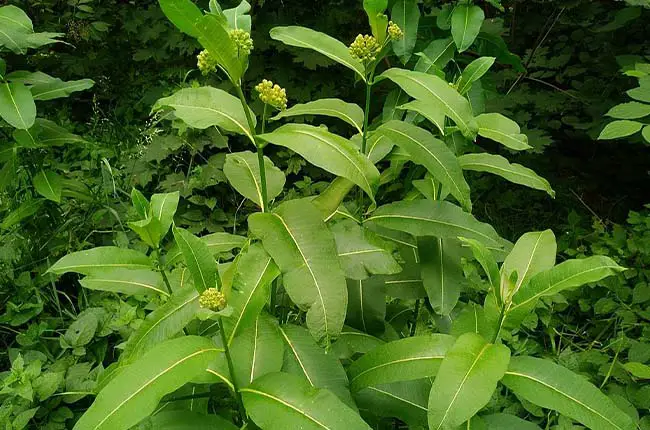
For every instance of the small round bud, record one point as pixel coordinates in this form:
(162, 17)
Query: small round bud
(272, 94)
(365, 48)
(212, 299)
(242, 40)
(394, 32)
(206, 62)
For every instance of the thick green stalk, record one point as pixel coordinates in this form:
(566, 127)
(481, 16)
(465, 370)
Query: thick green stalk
(366, 114)
(260, 151)
(231, 369)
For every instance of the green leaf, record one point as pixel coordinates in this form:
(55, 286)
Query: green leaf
(485, 259)
(431, 110)
(279, 401)
(466, 380)
(198, 258)
(630, 110)
(406, 14)
(164, 323)
(135, 392)
(440, 219)
(641, 94)
(617, 129)
(100, 259)
(216, 243)
(255, 272)
(500, 166)
(471, 319)
(18, 32)
(376, 18)
(140, 203)
(551, 386)
(328, 151)
(48, 184)
(183, 14)
(214, 37)
(17, 105)
(378, 146)
(430, 88)
(303, 357)
(187, 420)
(237, 17)
(337, 108)
(405, 400)
(466, 21)
(437, 54)
(506, 421)
(304, 249)
(25, 210)
(205, 107)
(361, 252)
(503, 130)
(431, 153)
(401, 360)
(473, 72)
(638, 370)
(257, 350)
(126, 281)
(646, 133)
(494, 46)
(332, 48)
(352, 341)
(367, 304)
(329, 201)
(45, 133)
(56, 88)
(163, 208)
(243, 172)
(441, 271)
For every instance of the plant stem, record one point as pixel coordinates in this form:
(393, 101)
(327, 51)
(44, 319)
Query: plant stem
(416, 315)
(502, 316)
(161, 269)
(366, 113)
(231, 369)
(260, 151)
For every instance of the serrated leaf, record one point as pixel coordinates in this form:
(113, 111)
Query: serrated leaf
(135, 392)
(48, 185)
(17, 105)
(304, 250)
(198, 258)
(99, 259)
(401, 360)
(406, 14)
(302, 37)
(498, 165)
(126, 281)
(337, 108)
(243, 172)
(473, 72)
(466, 21)
(503, 130)
(617, 129)
(551, 386)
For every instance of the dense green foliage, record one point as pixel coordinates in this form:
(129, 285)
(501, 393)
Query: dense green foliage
(433, 217)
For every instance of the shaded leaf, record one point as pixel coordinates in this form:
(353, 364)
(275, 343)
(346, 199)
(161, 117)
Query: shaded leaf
(48, 184)
(503, 130)
(198, 258)
(17, 105)
(243, 172)
(348, 112)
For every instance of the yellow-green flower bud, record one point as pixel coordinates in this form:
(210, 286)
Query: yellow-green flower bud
(212, 299)
(394, 32)
(242, 40)
(206, 62)
(272, 94)
(365, 48)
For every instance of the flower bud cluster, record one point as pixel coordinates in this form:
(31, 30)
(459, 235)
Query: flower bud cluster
(365, 48)
(242, 40)
(272, 94)
(212, 299)
(394, 32)
(206, 62)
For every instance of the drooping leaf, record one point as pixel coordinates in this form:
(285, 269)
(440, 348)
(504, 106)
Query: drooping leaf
(551, 386)
(473, 72)
(304, 249)
(441, 271)
(320, 369)
(302, 37)
(254, 274)
(216, 243)
(500, 166)
(183, 14)
(617, 129)
(48, 184)
(45, 133)
(100, 259)
(406, 14)
(503, 130)
(56, 88)
(328, 151)
(466, 21)
(135, 392)
(401, 360)
(440, 219)
(198, 258)
(17, 105)
(205, 107)
(126, 281)
(466, 380)
(378, 146)
(278, 401)
(406, 400)
(427, 87)
(433, 154)
(337, 108)
(431, 110)
(214, 37)
(243, 172)
(367, 304)
(352, 341)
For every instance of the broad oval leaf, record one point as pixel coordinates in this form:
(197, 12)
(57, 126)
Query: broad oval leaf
(134, 393)
(440, 219)
(406, 400)
(401, 360)
(352, 341)
(321, 369)
(438, 54)
(337, 108)
(243, 172)
(302, 37)
(431, 110)
(48, 184)
(198, 258)
(100, 259)
(367, 304)
(17, 105)
(56, 88)
(406, 14)
(126, 281)
(503, 130)
(630, 110)
(205, 107)
(466, 21)
(466, 380)
(499, 165)
(216, 243)
(441, 271)
(622, 128)
(425, 87)
(279, 401)
(304, 249)
(433, 154)
(238, 17)
(328, 151)
(473, 72)
(163, 208)
(183, 14)
(214, 37)
(551, 386)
